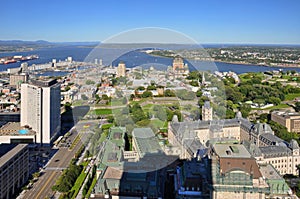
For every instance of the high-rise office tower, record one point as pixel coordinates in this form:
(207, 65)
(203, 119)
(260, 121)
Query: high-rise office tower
(40, 109)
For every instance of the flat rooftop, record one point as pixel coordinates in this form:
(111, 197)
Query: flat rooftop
(7, 151)
(231, 151)
(286, 114)
(43, 82)
(15, 129)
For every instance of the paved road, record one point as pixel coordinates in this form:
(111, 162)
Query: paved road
(42, 188)
(61, 160)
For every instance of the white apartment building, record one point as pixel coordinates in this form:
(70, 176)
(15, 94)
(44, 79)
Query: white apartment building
(40, 109)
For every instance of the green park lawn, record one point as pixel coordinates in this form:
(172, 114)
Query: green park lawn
(103, 111)
(280, 106)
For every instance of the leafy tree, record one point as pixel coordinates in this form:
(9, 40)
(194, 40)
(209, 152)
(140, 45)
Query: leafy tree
(105, 97)
(264, 117)
(169, 93)
(274, 100)
(151, 87)
(89, 82)
(234, 96)
(297, 106)
(230, 114)
(110, 119)
(185, 95)
(199, 93)
(137, 113)
(202, 100)
(194, 75)
(194, 83)
(131, 97)
(282, 132)
(245, 110)
(141, 88)
(147, 94)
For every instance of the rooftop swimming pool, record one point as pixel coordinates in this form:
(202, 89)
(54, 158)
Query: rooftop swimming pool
(23, 131)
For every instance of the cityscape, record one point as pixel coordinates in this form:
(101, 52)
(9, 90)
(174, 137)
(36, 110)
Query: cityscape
(125, 100)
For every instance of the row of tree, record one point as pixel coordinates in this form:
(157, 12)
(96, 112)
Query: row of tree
(68, 179)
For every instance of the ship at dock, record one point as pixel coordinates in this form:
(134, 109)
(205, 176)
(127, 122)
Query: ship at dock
(17, 58)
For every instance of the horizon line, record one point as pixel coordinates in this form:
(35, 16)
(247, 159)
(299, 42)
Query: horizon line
(204, 43)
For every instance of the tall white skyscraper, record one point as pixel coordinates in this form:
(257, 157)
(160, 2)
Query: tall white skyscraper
(40, 108)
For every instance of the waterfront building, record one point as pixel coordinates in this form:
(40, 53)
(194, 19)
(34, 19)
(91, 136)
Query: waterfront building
(14, 168)
(70, 59)
(40, 108)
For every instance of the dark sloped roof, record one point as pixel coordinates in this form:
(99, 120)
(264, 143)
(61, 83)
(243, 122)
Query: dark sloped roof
(275, 151)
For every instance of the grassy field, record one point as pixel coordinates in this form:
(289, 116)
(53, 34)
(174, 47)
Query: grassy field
(102, 111)
(291, 96)
(77, 139)
(77, 103)
(106, 126)
(92, 187)
(158, 123)
(280, 106)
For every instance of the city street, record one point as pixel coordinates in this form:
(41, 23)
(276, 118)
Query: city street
(60, 161)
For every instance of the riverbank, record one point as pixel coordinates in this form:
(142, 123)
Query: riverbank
(233, 62)
(265, 65)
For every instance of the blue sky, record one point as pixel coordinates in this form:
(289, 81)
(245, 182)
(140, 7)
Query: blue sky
(232, 21)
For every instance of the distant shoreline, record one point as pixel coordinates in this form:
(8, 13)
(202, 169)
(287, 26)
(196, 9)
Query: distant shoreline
(233, 62)
(250, 64)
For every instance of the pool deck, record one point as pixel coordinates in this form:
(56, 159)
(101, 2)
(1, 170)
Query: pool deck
(14, 128)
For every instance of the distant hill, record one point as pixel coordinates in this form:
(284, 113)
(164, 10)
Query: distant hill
(20, 42)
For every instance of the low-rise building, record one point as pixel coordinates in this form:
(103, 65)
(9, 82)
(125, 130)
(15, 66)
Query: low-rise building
(235, 173)
(277, 185)
(127, 174)
(283, 157)
(290, 120)
(13, 132)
